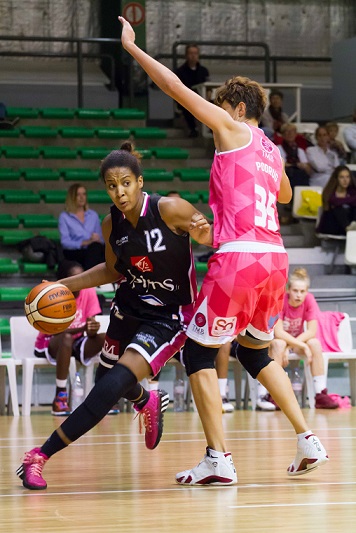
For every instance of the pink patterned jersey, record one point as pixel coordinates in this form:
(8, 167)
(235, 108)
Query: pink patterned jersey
(244, 185)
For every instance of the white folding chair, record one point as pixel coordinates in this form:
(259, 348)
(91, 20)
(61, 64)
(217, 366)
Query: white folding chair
(23, 337)
(350, 248)
(89, 370)
(10, 365)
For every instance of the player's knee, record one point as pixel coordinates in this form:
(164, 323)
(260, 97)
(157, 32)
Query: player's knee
(253, 360)
(197, 357)
(109, 389)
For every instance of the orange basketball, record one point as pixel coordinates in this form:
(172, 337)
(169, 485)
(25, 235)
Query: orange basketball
(50, 307)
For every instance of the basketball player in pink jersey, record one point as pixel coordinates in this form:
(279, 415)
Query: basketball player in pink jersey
(242, 293)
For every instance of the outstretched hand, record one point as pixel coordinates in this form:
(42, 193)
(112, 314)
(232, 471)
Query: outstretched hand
(128, 34)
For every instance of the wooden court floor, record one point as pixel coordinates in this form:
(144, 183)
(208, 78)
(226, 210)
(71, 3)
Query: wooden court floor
(109, 482)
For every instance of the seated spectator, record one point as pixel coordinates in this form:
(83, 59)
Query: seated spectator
(81, 340)
(5, 123)
(296, 162)
(191, 73)
(350, 138)
(321, 158)
(290, 334)
(333, 129)
(273, 117)
(339, 203)
(80, 229)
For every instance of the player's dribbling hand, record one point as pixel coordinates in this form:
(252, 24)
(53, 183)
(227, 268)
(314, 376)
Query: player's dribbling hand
(200, 229)
(128, 34)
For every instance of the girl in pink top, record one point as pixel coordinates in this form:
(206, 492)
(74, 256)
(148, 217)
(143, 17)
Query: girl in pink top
(81, 340)
(296, 330)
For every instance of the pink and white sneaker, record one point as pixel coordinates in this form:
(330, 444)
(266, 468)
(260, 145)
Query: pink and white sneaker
(31, 470)
(217, 468)
(151, 417)
(310, 454)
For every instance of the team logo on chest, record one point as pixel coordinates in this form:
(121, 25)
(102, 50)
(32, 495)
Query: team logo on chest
(142, 263)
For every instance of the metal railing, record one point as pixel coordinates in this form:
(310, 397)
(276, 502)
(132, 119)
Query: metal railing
(270, 62)
(79, 55)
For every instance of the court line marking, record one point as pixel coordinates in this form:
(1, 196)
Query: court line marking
(249, 486)
(269, 505)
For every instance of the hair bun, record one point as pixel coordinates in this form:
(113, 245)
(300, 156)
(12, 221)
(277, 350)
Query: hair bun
(127, 146)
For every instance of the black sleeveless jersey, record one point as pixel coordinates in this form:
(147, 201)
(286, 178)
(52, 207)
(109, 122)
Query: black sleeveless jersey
(157, 264)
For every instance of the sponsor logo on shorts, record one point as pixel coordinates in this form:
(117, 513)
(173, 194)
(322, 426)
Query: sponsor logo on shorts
(142, 263)
(146, 339)
(200, 320)
(223, 326)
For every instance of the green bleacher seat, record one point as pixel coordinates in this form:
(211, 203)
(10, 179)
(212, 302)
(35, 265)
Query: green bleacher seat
(149, 133)
(145, 153)
(58, 152)
(201, 268)
(20, 197)
(38, 221)
(92, 113)
(9, 174)
(94, 152)
(42, 132)
(204, 196)
(4, 326)
(192, 197)
(112, 133)
(12, 237)
(21, 152)
(13, 294)
(157, 174)
(192, 174)
(167, 152)
(34, 268)
(57, 112)
(10, 133)
(7, 266)
(53, 197)
(98, 197)
(52, 234)
(39, 174)
(7, 221)
(126, 113)
(21, 112)
(79, 174)
(70, 132)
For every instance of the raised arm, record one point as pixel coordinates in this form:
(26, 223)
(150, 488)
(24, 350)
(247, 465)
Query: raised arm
(211, 115)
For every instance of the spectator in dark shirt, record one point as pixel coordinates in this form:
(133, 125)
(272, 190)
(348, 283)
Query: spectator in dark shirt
(339, 203)
(191, 73)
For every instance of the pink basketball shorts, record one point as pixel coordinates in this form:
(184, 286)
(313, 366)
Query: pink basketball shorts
(242, 290)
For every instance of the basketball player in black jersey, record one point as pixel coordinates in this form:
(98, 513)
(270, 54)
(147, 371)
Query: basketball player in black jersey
(148, 252)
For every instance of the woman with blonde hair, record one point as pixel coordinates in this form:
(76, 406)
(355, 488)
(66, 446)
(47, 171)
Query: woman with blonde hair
(80, 230)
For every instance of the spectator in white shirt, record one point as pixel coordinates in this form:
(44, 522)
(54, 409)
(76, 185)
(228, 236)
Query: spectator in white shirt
(321, 158)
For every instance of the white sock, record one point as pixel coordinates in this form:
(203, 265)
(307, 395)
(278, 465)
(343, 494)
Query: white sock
(302, 436)
(222, 386)
(61, 383)
(261, 390)
(319, 383)
(153, 385)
